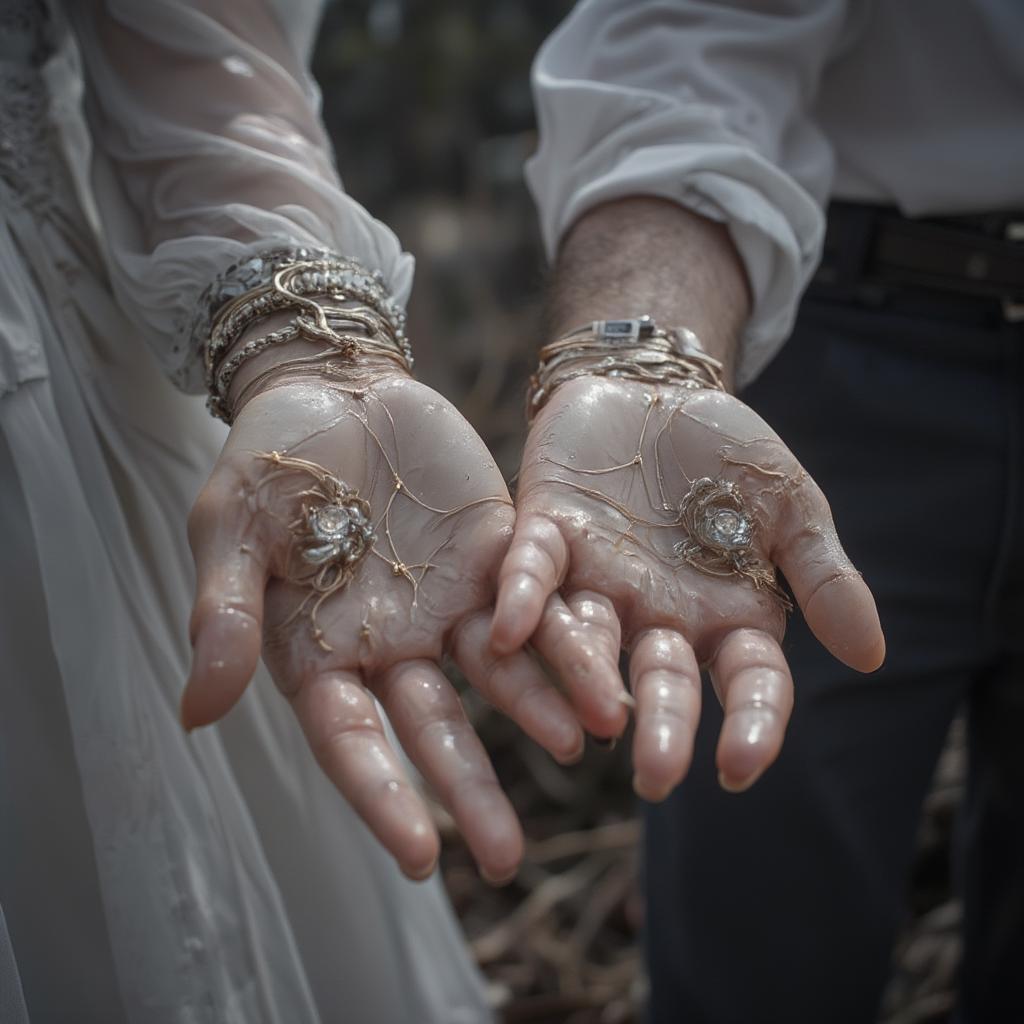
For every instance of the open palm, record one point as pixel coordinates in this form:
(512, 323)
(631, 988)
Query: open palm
(438, 522)
(598, 562)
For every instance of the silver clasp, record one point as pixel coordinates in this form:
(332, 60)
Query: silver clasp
(624, 330)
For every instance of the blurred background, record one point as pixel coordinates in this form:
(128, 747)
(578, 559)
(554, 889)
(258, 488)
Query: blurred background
(430, 110)
(429, 107)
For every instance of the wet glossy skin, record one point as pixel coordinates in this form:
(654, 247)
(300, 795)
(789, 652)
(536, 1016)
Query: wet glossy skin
(428, 588)
(593, 566)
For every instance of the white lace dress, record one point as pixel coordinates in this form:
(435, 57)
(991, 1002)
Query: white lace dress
(145, 875)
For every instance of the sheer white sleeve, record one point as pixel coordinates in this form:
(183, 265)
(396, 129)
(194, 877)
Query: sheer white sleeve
(703, 103)
(207, 149)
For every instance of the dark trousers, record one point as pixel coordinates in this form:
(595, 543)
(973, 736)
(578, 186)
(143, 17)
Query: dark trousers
(779, 905)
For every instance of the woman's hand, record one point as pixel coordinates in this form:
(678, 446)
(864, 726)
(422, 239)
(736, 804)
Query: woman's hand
(441, 520)
(599, 560)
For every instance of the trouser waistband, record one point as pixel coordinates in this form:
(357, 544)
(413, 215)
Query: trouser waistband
(970, 266)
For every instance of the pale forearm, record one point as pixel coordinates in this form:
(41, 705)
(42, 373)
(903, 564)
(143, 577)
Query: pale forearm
(644, 255)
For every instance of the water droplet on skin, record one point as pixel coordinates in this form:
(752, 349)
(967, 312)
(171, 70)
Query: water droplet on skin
(664, 739)
(238, 66)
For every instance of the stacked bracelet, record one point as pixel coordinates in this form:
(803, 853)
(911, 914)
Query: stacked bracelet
(258, 271)
(632, 349)
(332, 300)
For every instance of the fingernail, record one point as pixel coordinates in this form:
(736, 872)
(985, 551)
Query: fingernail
(183, 717)
(496, 880)
(499, 644)
(605, 742)
(421, 874)
(737, 787)
(650, 796)
(626, 699)
(575, 755)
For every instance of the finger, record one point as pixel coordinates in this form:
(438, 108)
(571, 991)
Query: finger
(432, 726)
(339, 718)
(581, 639)
(665, 679)
(756, 690)
(835, 600)
(227, 616)
(516, 685)
(533, 569)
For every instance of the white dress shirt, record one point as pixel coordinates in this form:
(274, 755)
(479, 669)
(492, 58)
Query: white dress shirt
(755, 112)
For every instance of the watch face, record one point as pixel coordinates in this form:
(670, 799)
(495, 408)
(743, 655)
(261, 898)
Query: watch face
(623, 330)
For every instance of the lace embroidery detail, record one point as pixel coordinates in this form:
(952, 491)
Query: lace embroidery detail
(26, 159)
(26, 155)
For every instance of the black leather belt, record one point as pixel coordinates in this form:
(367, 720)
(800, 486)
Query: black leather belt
(872, 253)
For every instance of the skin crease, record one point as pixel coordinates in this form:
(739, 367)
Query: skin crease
(584, 575)
(384, 646)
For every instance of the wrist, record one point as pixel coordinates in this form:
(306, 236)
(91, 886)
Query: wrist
(645, 255)
(302, 362)
(636, 349)
(328, 312)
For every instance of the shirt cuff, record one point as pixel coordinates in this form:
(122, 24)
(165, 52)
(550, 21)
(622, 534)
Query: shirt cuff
(649, 145)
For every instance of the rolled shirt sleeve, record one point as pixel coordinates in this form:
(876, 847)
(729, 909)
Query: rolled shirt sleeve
(704, 103)
(208, 148)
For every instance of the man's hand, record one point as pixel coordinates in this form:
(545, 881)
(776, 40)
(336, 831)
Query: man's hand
(597, 559)
(441, 521)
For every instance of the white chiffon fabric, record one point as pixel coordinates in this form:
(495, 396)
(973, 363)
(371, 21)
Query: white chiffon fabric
(148, 876)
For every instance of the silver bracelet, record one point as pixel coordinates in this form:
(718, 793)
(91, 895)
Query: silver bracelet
(319, 290)
(635, 349)
(257, 271)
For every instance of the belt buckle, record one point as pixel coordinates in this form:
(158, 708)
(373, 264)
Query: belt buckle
(1013, 311)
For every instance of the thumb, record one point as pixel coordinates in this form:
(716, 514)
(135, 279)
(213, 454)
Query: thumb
(227, 617)
(835, 600)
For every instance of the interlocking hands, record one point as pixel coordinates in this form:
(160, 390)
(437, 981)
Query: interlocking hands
(649, 518)
(341, 631)
(356, 530)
